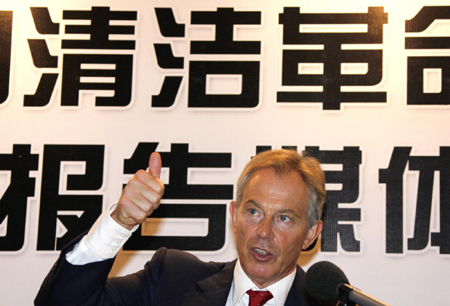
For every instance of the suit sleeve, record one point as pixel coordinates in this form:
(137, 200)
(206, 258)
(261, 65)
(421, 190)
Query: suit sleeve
(68, 284)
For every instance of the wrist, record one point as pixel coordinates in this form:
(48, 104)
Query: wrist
(115, 217)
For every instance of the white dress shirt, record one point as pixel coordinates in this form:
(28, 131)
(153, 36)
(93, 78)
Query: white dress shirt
(242, 283)
(106, 238)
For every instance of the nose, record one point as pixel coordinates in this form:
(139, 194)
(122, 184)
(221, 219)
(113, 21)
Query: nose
(265, 228)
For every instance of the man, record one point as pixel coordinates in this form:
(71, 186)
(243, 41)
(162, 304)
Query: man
(276, 214)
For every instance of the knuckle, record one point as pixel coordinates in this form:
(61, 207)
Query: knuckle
(132, 185)
(124, 201)
(161, 188)
(155, 198)
(141, 216)
(139, 175)
(141, 172)
(127, 191)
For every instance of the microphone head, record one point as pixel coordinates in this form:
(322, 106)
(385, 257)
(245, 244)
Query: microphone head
(322, 280)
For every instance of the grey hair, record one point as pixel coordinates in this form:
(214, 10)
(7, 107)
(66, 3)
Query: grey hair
(282, 162)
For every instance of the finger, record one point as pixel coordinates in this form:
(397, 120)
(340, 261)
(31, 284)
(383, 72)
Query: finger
(143, 180)
(148, 199)
(134, 206)
(127, 214)
(131, 214)
(147, 186)
(155, 164)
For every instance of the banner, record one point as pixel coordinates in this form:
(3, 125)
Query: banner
(89, 89)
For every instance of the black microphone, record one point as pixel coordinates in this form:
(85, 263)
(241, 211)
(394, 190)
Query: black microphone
(325, 281)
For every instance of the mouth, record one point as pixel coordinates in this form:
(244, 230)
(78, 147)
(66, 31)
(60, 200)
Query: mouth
(261, 255)
(261, 252)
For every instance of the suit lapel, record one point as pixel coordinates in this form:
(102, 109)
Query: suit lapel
(296, 294)
(212, 291)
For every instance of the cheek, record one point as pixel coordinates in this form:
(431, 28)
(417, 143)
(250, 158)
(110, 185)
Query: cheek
(249, 223)
(241, 241)
(239, 229)
(291, 243)
(245, 234)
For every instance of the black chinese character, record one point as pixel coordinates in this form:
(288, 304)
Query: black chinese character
(13, 203)
(224, 20)
(423, 89)
(332, 57)
(246, 73)
(350, 159)
(393, 177)
(78, 69)
(59, 200)
(179, 160)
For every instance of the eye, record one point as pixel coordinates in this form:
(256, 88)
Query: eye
(252, 211)
(284, 218)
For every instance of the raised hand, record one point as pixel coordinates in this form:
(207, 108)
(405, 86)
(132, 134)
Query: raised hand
(141, 196)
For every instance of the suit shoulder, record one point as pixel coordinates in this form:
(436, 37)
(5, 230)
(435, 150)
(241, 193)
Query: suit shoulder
(175, 263)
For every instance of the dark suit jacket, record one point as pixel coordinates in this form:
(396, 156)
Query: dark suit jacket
(171, 278)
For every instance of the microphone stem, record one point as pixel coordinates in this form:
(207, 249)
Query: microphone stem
(350, 293)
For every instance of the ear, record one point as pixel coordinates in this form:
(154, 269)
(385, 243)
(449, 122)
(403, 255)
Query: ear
(312, 234)
(233, 213)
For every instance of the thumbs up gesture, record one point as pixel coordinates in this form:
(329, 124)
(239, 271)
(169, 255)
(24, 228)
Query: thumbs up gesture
(141, 196)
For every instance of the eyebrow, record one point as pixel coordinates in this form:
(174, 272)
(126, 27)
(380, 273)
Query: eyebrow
(253, 202)
(287, 211)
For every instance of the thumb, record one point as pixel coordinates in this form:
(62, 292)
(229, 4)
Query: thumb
(155, 164)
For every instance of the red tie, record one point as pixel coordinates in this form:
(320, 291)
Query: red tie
(258, 298)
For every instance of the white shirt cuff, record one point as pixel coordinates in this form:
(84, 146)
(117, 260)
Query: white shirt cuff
(104, 240)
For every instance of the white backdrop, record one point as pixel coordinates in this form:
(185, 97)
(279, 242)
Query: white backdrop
(409, 277)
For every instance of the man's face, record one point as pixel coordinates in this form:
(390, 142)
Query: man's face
(271, 225)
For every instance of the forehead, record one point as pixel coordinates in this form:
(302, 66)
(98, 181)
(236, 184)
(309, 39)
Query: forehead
(266, 185)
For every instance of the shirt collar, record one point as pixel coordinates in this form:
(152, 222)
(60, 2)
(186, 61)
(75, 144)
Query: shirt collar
(242, 283)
